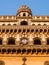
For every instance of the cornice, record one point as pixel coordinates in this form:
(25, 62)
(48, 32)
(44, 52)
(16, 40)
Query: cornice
(33, 18)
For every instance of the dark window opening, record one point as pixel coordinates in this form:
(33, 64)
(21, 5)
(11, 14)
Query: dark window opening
(3, 30)
(0, 41)
(48, 41)
(24, 14)
(15, 30)
(33, 51)
(11, 30)
(36, 30)
(11, 41)
(44, 24)
(24, 30)
(45, 30)
(38, 50)
(19, 30)
(24, 23)
(41, 30)
(39, 24)
(37, 41)
(7, 30)
(18, 51)
(28, 15)
(47, 50)
(14, 24)
(8, 51)
(19, 15)
(23, 51)
(9, 24)
(3, 24)
(28, 51)
(32, 30)
(44, 50)
(33, 24)
(3, 51)
(0, 50)
(13, 50)
(28, 30)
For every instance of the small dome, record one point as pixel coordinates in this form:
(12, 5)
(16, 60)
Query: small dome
(24, 8)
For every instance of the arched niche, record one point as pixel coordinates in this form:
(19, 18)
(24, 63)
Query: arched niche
(11, 41)
(47, 40)
(37, 41)
(23, 23)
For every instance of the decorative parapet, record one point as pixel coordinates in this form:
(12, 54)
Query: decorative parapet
(33, 18)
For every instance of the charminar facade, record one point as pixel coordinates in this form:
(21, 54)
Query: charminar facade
(24, 38)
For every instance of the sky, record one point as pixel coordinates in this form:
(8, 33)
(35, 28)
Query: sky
(38, 7)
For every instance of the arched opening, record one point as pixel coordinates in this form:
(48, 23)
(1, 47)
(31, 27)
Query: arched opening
(45, 30)
(7, 30)
(14, 24)
(24, 14)
(32, 30)
(11, 30)
(37, 41)
(39, 24)
(28, 51)
(15, 30)
(23, 51)
(9, 24)
(3, 30)
(8, 51)
(39, 50)
(44, 24)
(41, 30)
(1, 40)
(28, 30)
(11, 41)
(13, 51)
(46, 63)
(47, 41)
(47, 51)
(24, 30)
(3, 51)
(2, 62)
(24, 23)
(18, 51)
(36, 30)
(3, 24)
(44, 51)
(33, 24)
(33, 51)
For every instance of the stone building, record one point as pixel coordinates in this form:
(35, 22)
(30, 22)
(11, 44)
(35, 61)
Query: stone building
(24, 38)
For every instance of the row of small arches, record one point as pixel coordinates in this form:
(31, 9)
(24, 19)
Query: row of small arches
(23, 30)
(24, 24)
(12, 41)
(25, 51)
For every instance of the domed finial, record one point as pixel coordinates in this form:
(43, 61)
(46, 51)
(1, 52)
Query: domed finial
(24, 8)
(23, 5)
